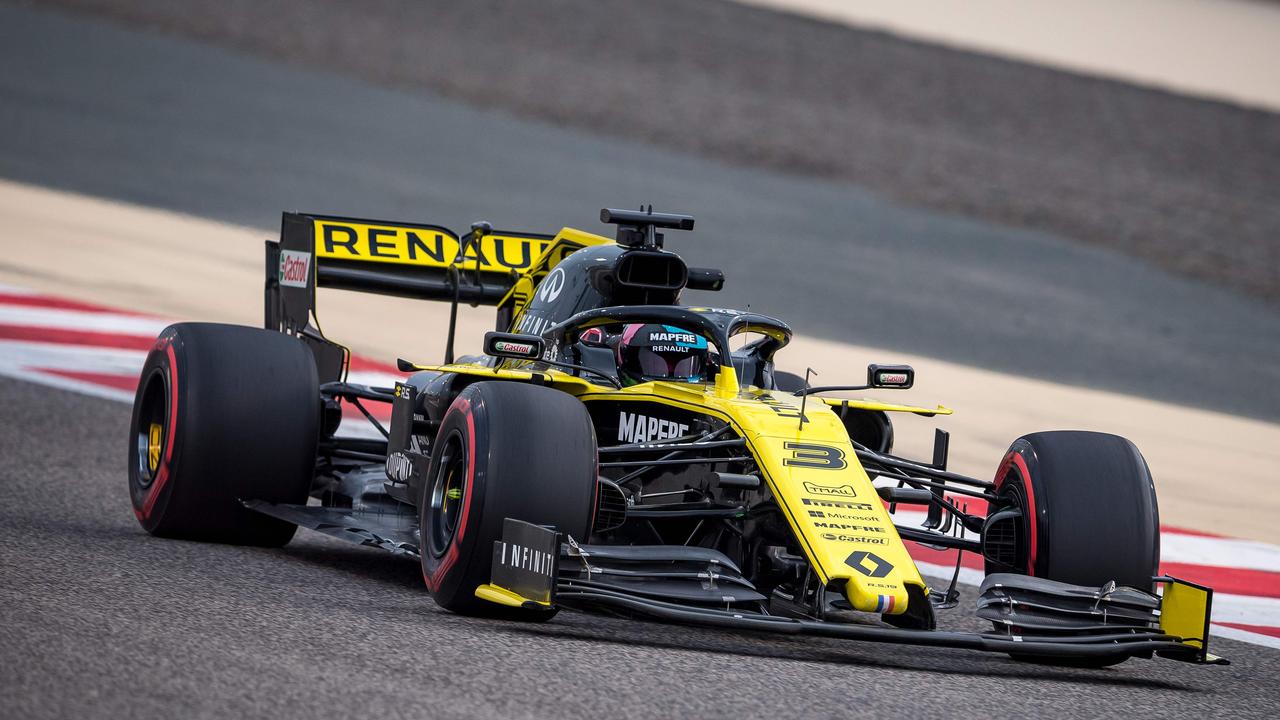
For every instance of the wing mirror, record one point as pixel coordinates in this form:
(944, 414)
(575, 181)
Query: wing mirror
(890, 376)
(514, 345)
(705, 279)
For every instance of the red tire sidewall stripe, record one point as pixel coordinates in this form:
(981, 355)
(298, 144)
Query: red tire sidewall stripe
(595, 495)
(162, 475)
(1014, 458)
(433, 580)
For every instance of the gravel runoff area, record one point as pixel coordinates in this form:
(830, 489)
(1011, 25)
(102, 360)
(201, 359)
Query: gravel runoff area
(102, 620)
(1191, 185)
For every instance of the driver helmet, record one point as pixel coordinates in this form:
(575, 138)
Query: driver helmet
(661, 352)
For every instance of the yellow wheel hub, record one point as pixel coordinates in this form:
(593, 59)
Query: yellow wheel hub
(153, 446)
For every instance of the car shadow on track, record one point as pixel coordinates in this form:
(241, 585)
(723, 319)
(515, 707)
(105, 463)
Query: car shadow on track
(403, 574)
(764, 645)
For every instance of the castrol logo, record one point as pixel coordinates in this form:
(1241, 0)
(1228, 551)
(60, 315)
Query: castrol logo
(294, 268)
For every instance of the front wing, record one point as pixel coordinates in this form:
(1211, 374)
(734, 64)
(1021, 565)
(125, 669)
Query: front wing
(1056, 621)
(533, 568)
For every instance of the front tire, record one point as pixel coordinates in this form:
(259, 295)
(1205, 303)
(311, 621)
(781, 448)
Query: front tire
(222, 413)
(504, 450)
(1088, 505)
(1077, 507)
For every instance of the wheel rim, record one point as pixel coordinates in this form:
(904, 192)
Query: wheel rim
(1013, 496)
(448, 490)
(150, 434)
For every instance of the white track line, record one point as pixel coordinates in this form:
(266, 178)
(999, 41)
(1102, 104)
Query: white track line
(79, 358)
(1219, 552)
(80, 320)
(1252, 638)
(62, 383)
(374, 379)
(1182, 548)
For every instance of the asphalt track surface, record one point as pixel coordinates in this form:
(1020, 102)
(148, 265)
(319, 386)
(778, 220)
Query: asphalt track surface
(96, 108)
(102, 620)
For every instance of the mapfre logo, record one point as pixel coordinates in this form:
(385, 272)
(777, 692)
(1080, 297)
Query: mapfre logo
(636, 428)
(295, 268)
(848, 526)
(689, 338)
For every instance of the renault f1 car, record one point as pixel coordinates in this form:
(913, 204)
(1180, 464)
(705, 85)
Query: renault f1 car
(615, 450)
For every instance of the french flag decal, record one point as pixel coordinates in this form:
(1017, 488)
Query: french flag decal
(884, 604)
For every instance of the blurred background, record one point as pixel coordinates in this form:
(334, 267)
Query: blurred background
(1063, 214)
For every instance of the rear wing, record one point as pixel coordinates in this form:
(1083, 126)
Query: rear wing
(412, 260)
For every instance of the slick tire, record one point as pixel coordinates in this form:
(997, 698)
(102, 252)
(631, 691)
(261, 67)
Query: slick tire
(504, 450)
(223, 413)
(1088, 514)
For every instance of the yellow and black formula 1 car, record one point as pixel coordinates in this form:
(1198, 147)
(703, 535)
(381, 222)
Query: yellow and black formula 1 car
(613, 449)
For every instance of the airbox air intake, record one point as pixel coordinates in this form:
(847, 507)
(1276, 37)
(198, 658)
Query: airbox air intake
(651, 270)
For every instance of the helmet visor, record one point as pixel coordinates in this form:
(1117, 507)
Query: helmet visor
(687, 367)
(655, 365)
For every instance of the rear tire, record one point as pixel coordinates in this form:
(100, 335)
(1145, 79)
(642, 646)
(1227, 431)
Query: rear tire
(222, 413)
(504, 450)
